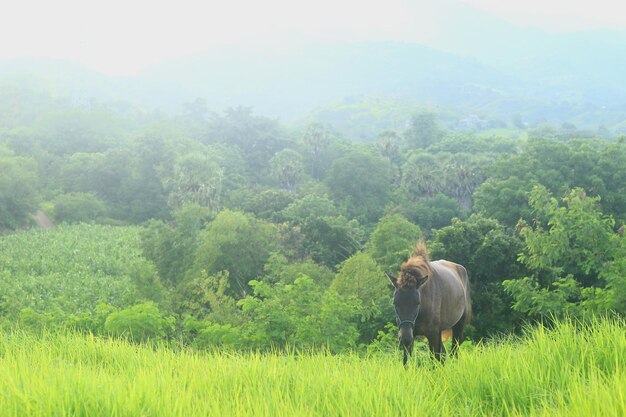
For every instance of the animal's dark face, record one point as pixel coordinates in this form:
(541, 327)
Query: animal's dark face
(406, 302)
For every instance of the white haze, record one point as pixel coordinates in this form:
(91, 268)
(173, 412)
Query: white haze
(124, 37)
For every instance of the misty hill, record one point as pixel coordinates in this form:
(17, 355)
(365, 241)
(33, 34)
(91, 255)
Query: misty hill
(289, 82)
(504, 72)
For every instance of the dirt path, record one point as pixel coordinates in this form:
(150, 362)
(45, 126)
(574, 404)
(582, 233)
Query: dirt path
(42, 220)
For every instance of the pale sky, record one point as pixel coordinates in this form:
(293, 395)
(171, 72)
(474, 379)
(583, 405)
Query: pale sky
(122, 37)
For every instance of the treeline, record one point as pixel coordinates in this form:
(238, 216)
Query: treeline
(264, 235)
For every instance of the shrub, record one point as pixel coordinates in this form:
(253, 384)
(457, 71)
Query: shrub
(140, 322)
(78, 207)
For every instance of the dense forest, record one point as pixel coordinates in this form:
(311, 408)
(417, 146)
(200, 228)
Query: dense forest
(233, 229)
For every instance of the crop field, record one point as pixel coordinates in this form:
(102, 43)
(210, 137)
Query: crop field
(60, 277)
(572, 370)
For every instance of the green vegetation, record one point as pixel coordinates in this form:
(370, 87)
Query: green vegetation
(72, 276)
(231, 229)
(234, 224)
(196, 256)
(203, 259)
(571, 370)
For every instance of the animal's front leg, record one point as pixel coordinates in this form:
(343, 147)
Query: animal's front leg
(436, 346)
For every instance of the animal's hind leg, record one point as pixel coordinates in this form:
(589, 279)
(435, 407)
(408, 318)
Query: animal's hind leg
(457, 335)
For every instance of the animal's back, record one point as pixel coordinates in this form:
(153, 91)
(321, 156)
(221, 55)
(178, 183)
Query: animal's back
(453, 287)
(464, 278)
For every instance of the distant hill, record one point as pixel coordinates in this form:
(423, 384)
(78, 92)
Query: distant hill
(290, 82)
(499, 73)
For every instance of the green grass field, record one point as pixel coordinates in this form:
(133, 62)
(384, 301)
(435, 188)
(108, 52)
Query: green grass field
(573, 370)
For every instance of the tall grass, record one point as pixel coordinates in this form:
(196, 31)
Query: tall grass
(572, 370)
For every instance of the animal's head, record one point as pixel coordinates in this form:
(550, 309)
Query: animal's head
(406, 296)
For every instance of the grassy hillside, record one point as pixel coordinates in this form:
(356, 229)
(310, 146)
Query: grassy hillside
(571, 371)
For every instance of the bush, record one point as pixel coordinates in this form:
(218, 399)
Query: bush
(207, 334)
(78, 207)
(140, 322)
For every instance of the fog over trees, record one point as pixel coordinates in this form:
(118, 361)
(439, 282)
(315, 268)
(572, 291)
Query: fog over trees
(254, 195)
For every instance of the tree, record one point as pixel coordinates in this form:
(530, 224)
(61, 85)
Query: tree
(207, 298)
(269, 204)
(505, 200)
(488, 251)
(197, 110)
(392, 241)
(389, 148)
(329, 238)
(453, 174)
(279, 269)
(18, 195)
(143, 193)
(172, 247)
(81, 172)
(317, 141)
(195, 180)
(434, 212)
(362, 182)
(332, 239)
(140, 322)
(421, 176)
(424, 130)
(286, 166)
(78, 207)
(301, 314)
(462, 173)
(258, 138)
(574, 256)
(361, 276)
(238, 243)
(67, 131)
(596, 166)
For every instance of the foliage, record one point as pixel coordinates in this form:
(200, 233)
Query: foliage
(434, 212)
(279, 269)
(172, 247)
(18, 196)
(361, 181)
(78, 207)
(424, 130)
(487, 250)
(201, 185)
(140, 322)
(484, 246)
(269, 204)
(64, 276)
(287, 168)
(234, 242)
(207, 297)
(593, 165)
(207, 334)
(257, 137)
(317, 142)
(392, 241)
(456, 175)
(505, 200)
(195, 180)
(329, 238)
(361, 277)
(574, 256)
(299, 315)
